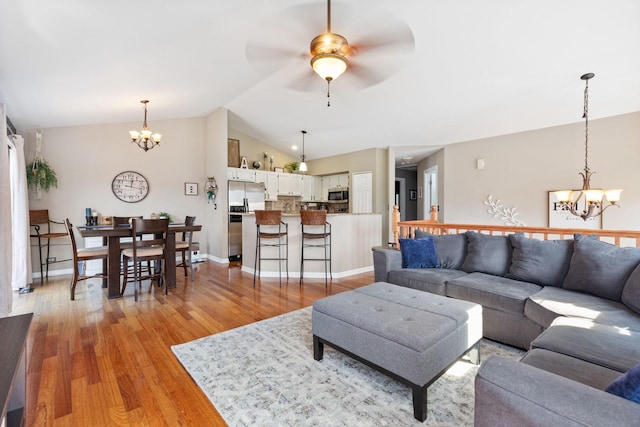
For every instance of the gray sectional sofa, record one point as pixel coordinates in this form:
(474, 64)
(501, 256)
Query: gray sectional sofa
(574, 304)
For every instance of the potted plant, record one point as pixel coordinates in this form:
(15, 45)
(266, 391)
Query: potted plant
(40, 176)
(292, 166)
(165, 215)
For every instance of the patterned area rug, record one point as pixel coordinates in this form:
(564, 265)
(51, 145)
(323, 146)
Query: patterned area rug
(264, 374)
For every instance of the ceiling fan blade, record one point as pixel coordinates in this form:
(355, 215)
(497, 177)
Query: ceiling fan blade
(392, 38)
(305, 81)
(267, 60)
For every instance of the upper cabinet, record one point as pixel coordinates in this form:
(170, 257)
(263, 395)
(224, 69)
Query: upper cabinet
(289, 184)
(270, 181)
(310, 188)
(238, 174)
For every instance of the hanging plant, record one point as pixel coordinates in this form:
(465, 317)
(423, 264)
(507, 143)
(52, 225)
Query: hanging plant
(40, 176)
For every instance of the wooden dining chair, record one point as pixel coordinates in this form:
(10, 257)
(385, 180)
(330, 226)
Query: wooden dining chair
(186, 246)
(149, 238)
(80, 257)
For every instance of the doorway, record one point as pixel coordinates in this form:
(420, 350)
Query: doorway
(430, 190)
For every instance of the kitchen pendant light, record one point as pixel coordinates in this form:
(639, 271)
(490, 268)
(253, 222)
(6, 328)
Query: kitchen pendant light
(303, 165)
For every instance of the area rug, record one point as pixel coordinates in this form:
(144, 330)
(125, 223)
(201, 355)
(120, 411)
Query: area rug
(264, 374)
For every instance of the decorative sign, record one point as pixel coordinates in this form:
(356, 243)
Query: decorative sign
(560, 217)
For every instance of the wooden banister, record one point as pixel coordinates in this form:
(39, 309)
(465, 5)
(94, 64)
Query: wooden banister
(406, 229)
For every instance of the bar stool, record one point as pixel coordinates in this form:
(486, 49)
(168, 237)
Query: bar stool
(271, 232)
(316, 233)
(41, 223)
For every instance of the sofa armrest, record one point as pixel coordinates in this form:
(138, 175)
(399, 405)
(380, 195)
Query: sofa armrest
(510, 393)
(385, 260)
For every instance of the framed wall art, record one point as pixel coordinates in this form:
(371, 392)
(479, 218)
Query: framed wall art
(190, 188)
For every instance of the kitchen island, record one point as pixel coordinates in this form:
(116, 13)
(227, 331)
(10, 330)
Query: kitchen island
(353, 236)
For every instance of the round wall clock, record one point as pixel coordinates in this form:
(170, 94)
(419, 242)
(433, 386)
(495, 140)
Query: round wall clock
(130, 187)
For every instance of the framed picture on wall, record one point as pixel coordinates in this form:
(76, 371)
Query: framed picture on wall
(560, 217)
(191, 188)
(413, 195)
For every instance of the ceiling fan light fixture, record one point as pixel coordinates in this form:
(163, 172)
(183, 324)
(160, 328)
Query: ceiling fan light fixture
(329, 66)
(328, 53)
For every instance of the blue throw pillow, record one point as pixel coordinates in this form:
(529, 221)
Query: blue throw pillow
(419, 253)
(627, 386)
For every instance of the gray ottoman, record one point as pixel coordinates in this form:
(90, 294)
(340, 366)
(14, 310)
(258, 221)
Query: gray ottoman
(409, 335)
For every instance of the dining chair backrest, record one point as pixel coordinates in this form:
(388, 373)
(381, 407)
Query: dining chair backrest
(188, 221)
(72, 237)
(156, 229)
(39, 217)
(122, 220)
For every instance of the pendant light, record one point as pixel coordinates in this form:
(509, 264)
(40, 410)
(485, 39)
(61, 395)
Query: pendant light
(303, 165)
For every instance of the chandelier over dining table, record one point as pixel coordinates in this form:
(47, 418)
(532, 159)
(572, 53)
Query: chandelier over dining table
(145, 139)
(595, 200)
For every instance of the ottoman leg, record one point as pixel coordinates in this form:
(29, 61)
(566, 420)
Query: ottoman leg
(318, 348)
(419, 402)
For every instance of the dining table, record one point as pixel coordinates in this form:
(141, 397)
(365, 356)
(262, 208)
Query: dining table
(113, 233)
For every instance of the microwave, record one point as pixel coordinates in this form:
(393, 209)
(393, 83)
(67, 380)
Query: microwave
(338, 194)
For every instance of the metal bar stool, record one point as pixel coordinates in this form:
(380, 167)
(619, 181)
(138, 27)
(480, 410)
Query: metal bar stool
(316, 233)
(271, 232)
(41, 223)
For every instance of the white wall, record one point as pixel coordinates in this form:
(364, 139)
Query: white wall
(521, 168)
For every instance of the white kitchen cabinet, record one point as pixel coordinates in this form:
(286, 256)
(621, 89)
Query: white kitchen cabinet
(289, 184)
(310, 188)
(271, 186)
(238, 174)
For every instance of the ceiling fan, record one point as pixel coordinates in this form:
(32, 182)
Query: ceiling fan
(381, 45)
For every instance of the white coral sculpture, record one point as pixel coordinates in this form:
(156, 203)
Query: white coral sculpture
(498, 211)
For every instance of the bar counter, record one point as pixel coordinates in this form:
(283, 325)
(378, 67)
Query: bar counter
(352, 237)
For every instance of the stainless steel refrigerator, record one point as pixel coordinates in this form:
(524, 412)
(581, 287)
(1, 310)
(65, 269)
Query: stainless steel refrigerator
(243, 197)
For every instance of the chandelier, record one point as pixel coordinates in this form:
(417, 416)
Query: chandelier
(145, 138)
(329, 54)
(596, 200)
(303, 165)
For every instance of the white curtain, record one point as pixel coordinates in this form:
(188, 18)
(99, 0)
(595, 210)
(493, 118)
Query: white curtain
(6, 293)
(21, 262)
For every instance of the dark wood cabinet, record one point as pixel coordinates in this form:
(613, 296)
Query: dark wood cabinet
(13, 368)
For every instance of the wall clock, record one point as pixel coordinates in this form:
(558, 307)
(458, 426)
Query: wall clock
(130, 186)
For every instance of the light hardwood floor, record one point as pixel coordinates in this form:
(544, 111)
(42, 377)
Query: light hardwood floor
(100, 362)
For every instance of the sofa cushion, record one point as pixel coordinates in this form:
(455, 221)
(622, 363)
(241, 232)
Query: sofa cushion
(425, 279)
(631, 291)
(495, 292)
(544, 262)
(487, 254)
(419, 253)
(451, 248)
(600, 268)
(627, 385)
(550, 303)
(602, 345)
(570, 367)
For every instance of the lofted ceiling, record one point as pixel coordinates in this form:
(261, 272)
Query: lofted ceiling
(427, 73)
